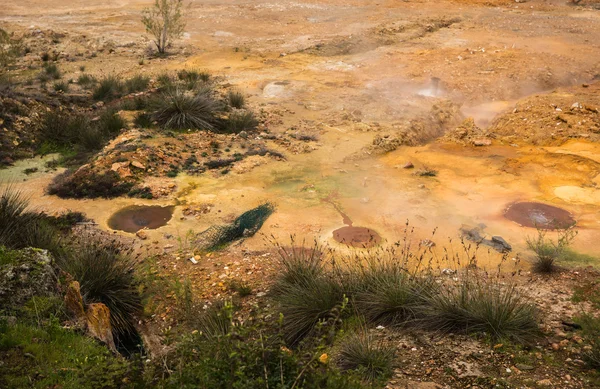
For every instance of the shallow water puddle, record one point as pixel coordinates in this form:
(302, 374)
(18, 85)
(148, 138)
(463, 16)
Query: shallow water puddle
(538, 215)
(137, 217)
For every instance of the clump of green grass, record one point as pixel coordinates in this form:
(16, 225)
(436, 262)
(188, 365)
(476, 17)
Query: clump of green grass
(548, 251)
(385, 293)
(137, 83)
(216, 321)
(373, 362)
(239, 121)
(62, 129)
(108, 88)
(243, 289)
(192, 79)
(106, 274)
(591, 331)
(86, 80)
(479, 306)
(180, 111)
(61, 86)
(236, 99)
(52, 71)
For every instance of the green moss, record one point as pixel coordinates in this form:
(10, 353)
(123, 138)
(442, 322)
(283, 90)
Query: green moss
(50, 356)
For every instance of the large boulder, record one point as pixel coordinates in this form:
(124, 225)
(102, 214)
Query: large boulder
(23, 274)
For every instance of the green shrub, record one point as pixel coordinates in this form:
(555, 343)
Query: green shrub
(86, 81)
(51, 71)
(387, 294)
(105, 274)
(137, 83)
(482, 306)
(61, 86)
(192, 78)
(547, 251)
(306, 304)
(179, 111)
(591, 332)
(14, 216)
(83, 184)
(111, 123)
(110, 87)
(91, 138)
(62, 129)
(143, 120)
(236, 99)
(297, 265)
(239, 121)
(360, 353)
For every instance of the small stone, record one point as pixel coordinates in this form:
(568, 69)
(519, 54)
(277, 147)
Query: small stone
(555, 346)
(408, 165)
(138, 165)
(481, 142)
(545, 382)
(141, 234)
(193, 260)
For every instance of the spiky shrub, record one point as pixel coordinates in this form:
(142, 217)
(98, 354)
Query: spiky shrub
(85, 184)
(306, 304)
(22, 227)
(482, 306)
(178, 110)
(110, 87)
(359, 352)
(106, 275)
(297, 265)
(239, 121)
(62, 129)
(192, 78)
(385, 293)
(236, 99)
(547, 251)
(137, 83)
(216, 321)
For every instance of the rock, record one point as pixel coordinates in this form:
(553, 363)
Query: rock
(481, 142)
(138, 165)
(545, 382)
(408, 165)
(141, 234)
(98, 324)
(501, 244)
(74, 301)
(23, 274)
(466, 369)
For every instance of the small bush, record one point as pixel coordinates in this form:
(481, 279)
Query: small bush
(482, 307)
(426, 172)
(297, 266)
(306, 304)
(86, 81)
(51, 70)
(91, 138)
(137, 83)
(387, 294)
(239, 121)
(547, 252)
(110, 87)
(236, 99)
(373, 362)
(105, 274)
(192, 78)
(179, 111)
(111, 123)
(84, 184)
(143, 120)
(62, 129)
(61, 86)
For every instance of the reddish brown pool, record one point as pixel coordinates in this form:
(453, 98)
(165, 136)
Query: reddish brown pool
(538, 215)
(136, 217)
(357, 236)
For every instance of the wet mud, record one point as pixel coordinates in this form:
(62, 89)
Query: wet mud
(137, 217)
(538, 215)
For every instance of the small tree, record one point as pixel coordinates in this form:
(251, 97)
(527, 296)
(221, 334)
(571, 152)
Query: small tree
(164, 22)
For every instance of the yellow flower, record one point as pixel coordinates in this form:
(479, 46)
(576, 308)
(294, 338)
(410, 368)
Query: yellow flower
(324, 358)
